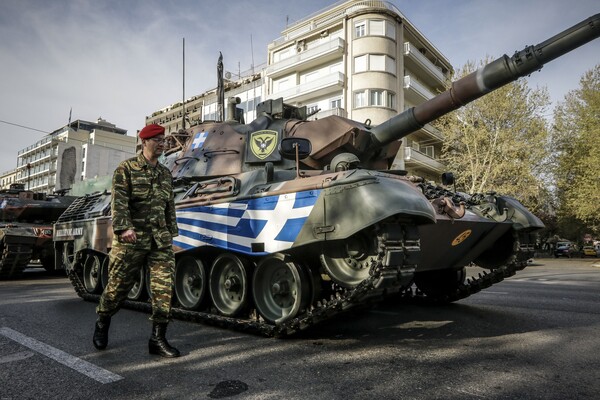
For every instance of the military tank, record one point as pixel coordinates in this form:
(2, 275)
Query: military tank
(285, 222)
(26, 220)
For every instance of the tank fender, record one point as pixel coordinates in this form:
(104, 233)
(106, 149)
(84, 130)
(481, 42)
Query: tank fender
(344, 209)
(521, 217)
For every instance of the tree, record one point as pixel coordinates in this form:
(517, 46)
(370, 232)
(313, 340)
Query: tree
(576, 136)
(498, 142)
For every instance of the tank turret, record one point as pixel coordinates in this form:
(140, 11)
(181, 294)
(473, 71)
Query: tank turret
(26, 220)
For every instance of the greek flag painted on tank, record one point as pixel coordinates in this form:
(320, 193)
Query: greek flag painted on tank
(274, 221)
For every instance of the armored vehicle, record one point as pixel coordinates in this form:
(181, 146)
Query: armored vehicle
(285, 222)
(26, 220)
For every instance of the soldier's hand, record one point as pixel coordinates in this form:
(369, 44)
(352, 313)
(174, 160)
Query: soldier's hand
(128, 236)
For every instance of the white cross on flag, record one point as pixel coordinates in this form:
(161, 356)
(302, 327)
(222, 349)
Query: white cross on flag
(199, 140)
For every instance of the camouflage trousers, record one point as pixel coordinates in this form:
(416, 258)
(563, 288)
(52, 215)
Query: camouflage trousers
(124, 271)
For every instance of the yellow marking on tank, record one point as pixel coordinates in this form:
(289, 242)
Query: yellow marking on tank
(461, 238)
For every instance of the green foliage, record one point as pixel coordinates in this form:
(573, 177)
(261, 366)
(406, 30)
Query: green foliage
(576, 137)
(498, 142)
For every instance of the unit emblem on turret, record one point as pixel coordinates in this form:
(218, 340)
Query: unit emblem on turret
(263, 143)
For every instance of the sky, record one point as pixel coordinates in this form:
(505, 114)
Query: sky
(121, 60)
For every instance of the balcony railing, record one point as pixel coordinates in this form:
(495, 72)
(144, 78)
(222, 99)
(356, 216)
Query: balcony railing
(414, 157)
(423, 62)
(415, 91)
(332, 47)
(432, 132)
(310, 89)
(36, 145)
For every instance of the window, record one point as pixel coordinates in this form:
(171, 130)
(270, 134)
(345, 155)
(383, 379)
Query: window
(376, 27)
(360, 99)
(428, 150)
(360, 29)
(374, 62)
(337, 67)
(390, 30)
(335, 103)
(377, 62)
(377, 97)
(391, 100)
(390, 65)
(312, 109)
(312, 76)
(373, 98)
(283, 84)
(360, 63)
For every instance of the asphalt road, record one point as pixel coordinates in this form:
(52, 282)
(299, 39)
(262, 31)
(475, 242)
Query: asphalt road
(533, 336)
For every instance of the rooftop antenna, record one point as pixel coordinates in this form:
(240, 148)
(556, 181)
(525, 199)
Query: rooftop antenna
(183, 95)
(220, 89)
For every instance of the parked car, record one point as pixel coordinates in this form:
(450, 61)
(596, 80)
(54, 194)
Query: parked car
(589, 251)
(565, 249)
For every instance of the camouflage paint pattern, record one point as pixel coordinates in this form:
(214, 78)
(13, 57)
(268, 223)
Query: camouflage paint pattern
(124, 271)
(142, 200)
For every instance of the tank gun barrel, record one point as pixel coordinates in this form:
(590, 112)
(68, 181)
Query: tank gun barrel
(487, 78)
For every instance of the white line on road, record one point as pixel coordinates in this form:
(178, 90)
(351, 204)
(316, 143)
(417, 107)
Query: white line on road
(83, 367)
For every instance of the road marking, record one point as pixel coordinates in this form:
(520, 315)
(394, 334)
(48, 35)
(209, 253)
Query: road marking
(83, 367)
(21, 355)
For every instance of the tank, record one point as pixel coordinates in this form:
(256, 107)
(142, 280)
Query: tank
(26, 220)
(285, 222)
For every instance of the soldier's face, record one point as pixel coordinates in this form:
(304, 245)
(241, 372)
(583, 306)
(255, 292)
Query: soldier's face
(156, 145)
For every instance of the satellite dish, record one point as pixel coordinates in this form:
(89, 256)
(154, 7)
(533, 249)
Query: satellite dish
(227, 75)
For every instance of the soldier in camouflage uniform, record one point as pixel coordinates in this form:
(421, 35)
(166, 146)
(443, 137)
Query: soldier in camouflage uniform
(144, 224)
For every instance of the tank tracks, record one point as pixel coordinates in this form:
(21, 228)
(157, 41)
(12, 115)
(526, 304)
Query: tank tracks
(368, 292)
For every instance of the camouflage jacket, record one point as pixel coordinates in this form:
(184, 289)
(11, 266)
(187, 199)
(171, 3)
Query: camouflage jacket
(142, 200)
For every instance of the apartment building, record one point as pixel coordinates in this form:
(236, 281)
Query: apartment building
(359, 59)
(73, 153)
(7, 177)
(365, 61)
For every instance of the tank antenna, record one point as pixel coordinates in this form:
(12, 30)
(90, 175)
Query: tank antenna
(183, 91)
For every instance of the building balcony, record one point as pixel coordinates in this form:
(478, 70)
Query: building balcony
(430, 134)
(415, 92)
(415, 61)
(38, 146)
(339, 112)
(319, 87)
(322, 53)
(416, 159)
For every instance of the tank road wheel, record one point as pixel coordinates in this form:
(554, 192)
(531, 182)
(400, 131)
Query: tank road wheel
(138, 291)
(190, 282)
(91, 274)
(281, 288)
(440, 283)
(229, 284)
(348, 261)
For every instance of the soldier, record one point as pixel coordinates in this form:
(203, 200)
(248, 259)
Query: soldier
(144, 224)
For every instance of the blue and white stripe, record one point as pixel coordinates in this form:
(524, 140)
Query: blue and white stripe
(274, 221)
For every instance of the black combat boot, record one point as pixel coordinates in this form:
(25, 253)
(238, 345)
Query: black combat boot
(101, 332)
(158, 343)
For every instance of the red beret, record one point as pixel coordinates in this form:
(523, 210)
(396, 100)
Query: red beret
(149, 131)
